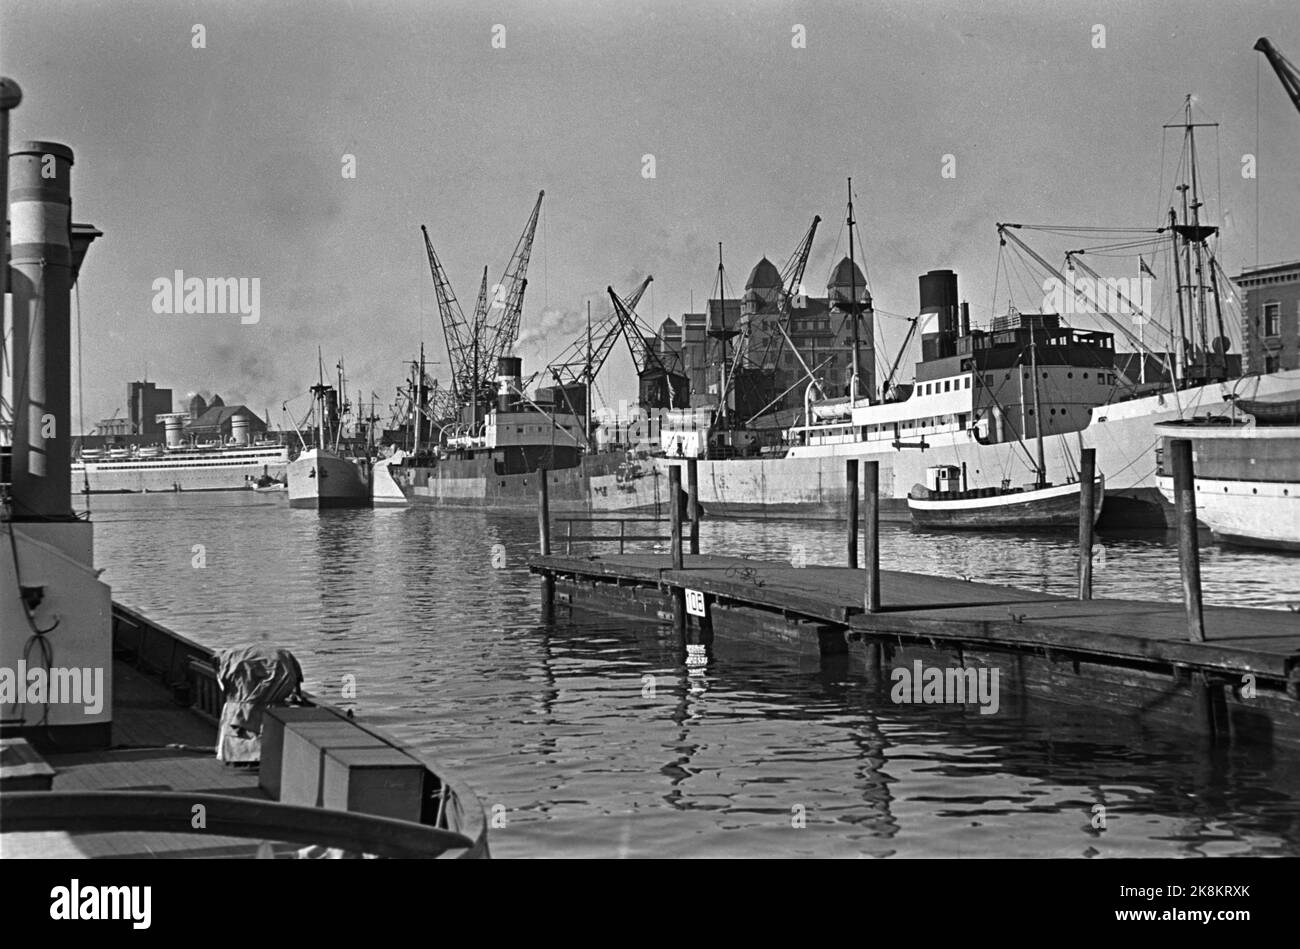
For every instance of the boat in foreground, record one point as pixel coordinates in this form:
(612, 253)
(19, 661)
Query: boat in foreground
(117, 753)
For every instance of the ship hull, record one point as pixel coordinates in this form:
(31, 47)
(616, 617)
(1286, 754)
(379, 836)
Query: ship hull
(320, 480)
(218, 472)
(1247, 483)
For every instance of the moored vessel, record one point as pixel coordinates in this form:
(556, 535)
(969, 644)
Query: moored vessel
(1247, 476)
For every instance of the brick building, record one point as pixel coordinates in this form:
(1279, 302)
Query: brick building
(1271, 317)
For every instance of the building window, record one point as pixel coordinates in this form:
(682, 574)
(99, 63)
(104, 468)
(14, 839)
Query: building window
(968, 382)
(1272, 364)
(1272, 319)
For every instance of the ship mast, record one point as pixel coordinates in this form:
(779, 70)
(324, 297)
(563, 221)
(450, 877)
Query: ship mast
(1194, 317)
(320, 401)
(853, 301)
(1041, 481)
(587, 399)
(419, 399)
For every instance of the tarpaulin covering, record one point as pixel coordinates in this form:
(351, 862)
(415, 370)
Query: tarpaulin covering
(252, 679)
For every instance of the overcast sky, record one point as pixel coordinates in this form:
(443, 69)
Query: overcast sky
(226, 161)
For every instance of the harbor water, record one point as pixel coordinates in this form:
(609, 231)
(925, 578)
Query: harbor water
(591, 738)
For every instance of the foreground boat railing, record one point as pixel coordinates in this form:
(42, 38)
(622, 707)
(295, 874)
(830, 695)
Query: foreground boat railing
(172, 812)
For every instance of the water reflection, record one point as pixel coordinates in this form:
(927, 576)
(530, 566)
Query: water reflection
(553, 722)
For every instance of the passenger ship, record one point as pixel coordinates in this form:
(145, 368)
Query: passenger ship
(180, 466)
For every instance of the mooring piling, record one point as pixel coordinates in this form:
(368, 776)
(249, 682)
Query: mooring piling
(693, 497)
(675, 517)
(851, 484)
(544, 543)
(1189, 556)
(1087, 515)
(871, 532)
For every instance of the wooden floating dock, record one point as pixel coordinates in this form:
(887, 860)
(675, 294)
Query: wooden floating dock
(1227, 673)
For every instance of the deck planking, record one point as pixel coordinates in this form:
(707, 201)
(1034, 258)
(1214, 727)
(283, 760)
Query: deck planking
(157, 746)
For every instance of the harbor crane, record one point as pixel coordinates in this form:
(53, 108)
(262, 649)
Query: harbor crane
(475, 346)
(662, 383)
(583, 359)
(1286, 72)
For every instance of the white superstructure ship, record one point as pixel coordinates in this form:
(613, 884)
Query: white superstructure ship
(180, 466)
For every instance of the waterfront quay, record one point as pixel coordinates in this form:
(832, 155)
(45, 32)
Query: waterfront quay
(1224, 673)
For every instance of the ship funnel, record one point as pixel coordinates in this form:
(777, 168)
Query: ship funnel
(939, 297)
(174, 425)
(510, 371)
(41, 276)
(239, 430)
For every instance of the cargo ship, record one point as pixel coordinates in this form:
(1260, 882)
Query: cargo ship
(325, 474)
(965, 409)
(968, 406)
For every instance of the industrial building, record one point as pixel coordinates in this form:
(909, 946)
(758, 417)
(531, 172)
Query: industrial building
(1271, 317)
(145, 403)
(769, 375)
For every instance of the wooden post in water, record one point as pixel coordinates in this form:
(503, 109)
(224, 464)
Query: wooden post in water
(871, 529)
(544, 543)
(675, 515)
(675, 512)
(851, 484)
(693, 496)
(1189, 557)
(1087, 514)
(543, 514)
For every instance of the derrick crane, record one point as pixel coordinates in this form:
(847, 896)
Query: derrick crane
(508, 295)
(459, 334)
(887, 387)
(474, 346)
(584, 357)
(1286, 72)
(662, 384)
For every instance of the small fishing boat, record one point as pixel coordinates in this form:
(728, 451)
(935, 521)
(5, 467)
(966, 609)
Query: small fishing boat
(266, 483)
(1032, 507)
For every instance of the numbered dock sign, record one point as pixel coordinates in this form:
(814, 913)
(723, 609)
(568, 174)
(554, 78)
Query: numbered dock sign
(695, 603)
